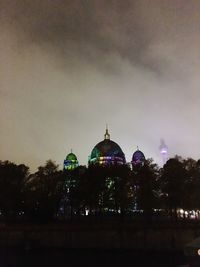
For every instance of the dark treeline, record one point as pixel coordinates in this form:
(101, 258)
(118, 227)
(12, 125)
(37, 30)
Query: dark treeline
(50, 194)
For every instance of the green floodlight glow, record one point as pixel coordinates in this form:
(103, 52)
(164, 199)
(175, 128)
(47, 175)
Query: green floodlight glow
(71, 162)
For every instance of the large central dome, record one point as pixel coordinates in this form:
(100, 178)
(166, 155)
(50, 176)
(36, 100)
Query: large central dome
(107, 152)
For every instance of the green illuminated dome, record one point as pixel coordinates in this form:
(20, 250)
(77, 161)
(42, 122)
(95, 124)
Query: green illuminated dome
(71, 156)
(70, 162)
(107, 152)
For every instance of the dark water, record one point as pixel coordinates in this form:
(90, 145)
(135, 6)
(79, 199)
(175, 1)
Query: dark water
(91, 258)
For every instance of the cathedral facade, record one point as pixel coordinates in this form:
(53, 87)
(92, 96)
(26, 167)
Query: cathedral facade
(106, 152)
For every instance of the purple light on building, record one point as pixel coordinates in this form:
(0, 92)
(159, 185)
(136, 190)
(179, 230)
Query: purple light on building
(163, 151)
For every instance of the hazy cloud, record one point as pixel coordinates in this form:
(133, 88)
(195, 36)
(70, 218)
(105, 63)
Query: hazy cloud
(69, 67)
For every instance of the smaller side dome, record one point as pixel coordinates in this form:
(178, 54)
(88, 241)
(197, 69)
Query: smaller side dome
(138, 157)
(70, 162)
(71, 156)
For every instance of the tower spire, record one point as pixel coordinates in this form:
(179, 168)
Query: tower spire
(107, 135)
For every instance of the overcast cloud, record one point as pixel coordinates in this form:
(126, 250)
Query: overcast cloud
(69, 67)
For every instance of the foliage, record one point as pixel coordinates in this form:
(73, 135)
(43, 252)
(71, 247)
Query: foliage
(146, 186)
(173, 184)
(50, 193)
(12, 185)
(43, 192)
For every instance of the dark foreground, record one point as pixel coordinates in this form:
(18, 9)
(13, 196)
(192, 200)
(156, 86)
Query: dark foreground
(11, 257)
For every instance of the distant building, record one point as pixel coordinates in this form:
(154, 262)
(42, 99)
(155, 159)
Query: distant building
(163, 151)
(106, 152)
(70, 162)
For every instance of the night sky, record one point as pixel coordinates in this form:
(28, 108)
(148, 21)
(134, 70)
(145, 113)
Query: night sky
(69, 67)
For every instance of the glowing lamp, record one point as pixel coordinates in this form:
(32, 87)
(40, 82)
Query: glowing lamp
(198, 251)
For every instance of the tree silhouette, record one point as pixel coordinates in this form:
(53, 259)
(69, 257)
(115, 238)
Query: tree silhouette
(121, 189)
(191, 189)
(50, 194)
(146, 184)
(12, 183)
(173, 179)
(74, 191)
(43, 192)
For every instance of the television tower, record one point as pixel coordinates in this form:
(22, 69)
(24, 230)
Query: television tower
(163, 151)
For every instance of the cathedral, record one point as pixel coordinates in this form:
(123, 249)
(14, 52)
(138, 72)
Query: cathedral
(106, 153)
